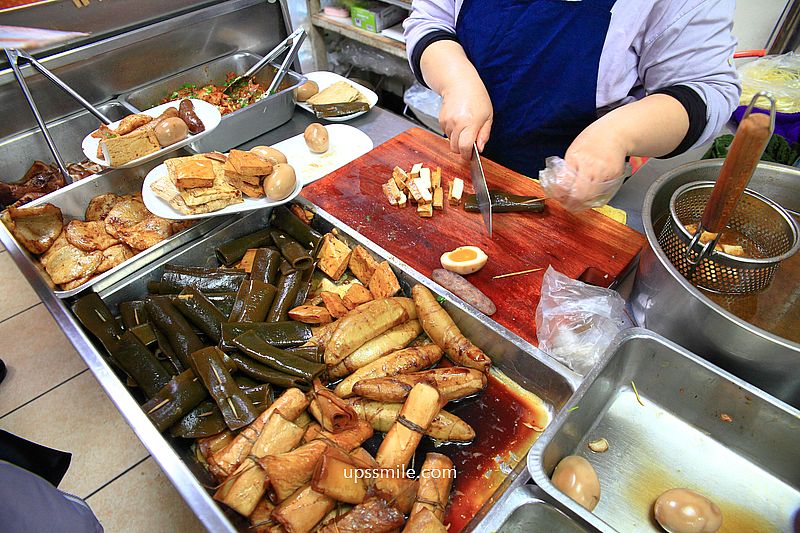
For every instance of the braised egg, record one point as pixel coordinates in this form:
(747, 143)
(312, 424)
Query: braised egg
(316, 137)
(268, 153)
(575, 477)
(464, 260)
(170, 130)
(306, 91)
(280, 183)
(686, 511)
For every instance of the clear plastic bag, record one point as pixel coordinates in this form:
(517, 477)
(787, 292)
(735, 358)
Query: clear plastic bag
(561, 182)
(425, 104)
(576, 322)
(780, 75)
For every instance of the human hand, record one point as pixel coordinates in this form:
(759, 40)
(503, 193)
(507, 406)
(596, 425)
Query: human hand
(466, 115)
(591, 173)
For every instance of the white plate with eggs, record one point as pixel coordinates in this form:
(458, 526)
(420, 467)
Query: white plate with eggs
(345, 144)
(208, 114)
(325, 79)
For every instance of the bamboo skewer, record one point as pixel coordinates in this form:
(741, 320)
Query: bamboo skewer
(518, 273)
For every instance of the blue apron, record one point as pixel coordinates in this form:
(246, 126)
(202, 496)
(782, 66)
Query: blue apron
(539, 61)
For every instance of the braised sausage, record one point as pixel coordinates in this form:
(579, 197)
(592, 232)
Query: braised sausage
(187, 114)
(465, 290)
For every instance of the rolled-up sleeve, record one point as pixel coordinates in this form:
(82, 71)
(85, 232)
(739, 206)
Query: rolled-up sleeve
(430, 21)
(696, 51)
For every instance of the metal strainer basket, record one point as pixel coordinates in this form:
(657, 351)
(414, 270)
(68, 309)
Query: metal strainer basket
(771, 234)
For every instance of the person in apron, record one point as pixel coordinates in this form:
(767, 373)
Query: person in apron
(592, 81)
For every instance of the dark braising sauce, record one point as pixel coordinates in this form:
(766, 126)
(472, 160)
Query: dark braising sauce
(506, 423)
(775, 309)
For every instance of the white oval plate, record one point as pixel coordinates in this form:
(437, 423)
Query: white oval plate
(207, 113)
(325, 79)
(346, 144)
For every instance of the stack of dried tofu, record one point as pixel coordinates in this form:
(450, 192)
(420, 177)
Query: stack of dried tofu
(422, 187)
(196, 184)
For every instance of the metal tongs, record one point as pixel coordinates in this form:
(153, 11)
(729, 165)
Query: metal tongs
(291, 43)
(14, 57)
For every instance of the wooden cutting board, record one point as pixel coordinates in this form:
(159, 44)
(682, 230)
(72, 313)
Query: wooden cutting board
(571, 243)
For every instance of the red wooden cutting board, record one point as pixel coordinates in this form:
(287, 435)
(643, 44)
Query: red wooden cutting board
(571, 243)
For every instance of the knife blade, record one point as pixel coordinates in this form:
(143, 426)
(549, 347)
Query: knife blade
(481, 189)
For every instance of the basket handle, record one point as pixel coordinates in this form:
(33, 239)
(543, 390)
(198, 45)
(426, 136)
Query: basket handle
(749, 143)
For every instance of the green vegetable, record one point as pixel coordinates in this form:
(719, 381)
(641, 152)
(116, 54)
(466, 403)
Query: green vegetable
(778, 150)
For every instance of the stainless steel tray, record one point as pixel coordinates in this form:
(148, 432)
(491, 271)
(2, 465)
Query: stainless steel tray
(537, 373)
(21, 150)
(525, 510)
(700, 427)
(73, 200)
(235, 128)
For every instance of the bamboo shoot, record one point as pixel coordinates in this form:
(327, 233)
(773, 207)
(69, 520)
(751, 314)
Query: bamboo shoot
(303, 510)
(375, 515)
(424, 521)
(444, 332)
(435, 480)
(395, 339)
(446, 427)
(329, 410)
(402, 361)
(452, 383)
(366, 322)
(414, 419)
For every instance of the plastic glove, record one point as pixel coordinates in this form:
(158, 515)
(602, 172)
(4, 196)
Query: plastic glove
(574, 191)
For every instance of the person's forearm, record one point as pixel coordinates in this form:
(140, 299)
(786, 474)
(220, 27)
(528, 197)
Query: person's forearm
(651, 127)
(444, 63)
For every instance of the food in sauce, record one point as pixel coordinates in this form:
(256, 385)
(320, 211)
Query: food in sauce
(280, 183)
(575, 477)
(170, 131)
(244, 95)
(306, 91)
(686, 511)
(730, 242)
(116, 228)
(41, 179)
(464, 260)
(316, 137)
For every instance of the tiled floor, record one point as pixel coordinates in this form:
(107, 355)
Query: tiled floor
(50, 397)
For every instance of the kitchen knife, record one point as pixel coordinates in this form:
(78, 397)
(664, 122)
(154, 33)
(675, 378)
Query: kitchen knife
(481, 189)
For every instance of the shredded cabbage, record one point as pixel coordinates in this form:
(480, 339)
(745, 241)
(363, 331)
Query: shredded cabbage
(779, 75)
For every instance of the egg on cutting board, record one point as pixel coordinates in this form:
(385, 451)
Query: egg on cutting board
(464, 260)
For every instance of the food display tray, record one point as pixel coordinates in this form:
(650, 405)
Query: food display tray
(21, 150)
(697, 427)
(73, 200)
(551, 382)
(235, 128)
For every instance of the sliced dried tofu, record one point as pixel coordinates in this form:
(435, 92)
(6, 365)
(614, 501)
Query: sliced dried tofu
(100, 206)
(333, 256)
(69, 263)
(114, 256)
(356, 295)
(334, 304)
(89, 236)
(362, 264)
(36, 228)
(384, 283)
(146, 233)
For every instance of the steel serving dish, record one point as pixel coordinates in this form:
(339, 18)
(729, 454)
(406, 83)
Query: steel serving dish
(22, 149)
(525, 509)
(699, 427)
(665, 302)
(536, 373)
(239, 126)
(73, 200)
